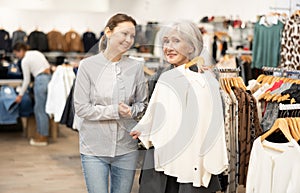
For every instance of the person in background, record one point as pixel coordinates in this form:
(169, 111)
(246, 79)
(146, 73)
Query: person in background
(34, 63)
(110, 91)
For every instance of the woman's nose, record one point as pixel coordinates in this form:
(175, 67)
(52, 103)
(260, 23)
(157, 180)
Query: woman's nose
(128, 39)
(169, 46)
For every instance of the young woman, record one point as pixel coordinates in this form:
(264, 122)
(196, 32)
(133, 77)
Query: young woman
(34, 63)
(178, 121)
(109, 93)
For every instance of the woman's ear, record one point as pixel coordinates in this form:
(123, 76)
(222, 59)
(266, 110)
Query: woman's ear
(191, 49)
(107, 32)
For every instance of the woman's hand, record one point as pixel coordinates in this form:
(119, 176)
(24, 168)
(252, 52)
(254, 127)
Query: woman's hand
(124, 110)
(135, 134)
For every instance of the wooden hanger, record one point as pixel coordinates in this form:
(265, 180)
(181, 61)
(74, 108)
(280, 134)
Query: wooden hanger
(296, 129)
(291, 127)
(280, 124)
(297, 121)
(225, 84)
(260, 78)
(199, 61)
(283, 98)
(148, 71)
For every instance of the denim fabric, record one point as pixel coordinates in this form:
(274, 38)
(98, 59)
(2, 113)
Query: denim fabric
(26, 105)
(8, 108)
(120, 170)
(270, 116)
(40, 95)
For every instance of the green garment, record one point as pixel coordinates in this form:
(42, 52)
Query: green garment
(266, 45)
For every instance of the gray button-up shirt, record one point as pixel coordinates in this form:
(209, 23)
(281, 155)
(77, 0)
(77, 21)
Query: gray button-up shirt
(100, 86)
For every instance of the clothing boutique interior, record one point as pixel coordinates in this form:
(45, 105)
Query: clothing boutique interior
(150, 96)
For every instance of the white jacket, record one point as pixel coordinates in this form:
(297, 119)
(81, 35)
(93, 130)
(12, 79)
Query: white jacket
(184, 121)
(58, 91)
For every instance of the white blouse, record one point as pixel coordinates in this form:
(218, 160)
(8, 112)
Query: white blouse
(184, 121)
(272, 171)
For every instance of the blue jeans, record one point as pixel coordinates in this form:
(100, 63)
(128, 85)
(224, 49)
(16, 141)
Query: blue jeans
(40, 96)
(120, 169)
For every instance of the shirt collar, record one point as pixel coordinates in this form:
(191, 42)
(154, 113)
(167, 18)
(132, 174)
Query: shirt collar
(190, 75)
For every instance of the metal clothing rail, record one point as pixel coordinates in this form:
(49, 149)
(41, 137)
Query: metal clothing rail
(239, 52)
(271, 69)
(283, 72)
(227, 70)
(289, 106)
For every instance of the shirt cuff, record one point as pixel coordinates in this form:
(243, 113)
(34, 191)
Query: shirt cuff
(116, 111)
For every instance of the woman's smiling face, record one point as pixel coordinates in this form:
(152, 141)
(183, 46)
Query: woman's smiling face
(176, 49)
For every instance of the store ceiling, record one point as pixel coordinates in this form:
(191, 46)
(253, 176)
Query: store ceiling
(57, 5)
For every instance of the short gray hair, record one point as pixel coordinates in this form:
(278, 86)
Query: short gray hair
(189, 32)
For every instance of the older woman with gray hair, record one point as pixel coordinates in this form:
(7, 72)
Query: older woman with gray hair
(184, 120)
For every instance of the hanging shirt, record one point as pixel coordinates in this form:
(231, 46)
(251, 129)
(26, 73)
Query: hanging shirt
(5, 41)
(266, 45)
(273, 171)
(99, 88)
(73, 41)
(19, 36)
(290, 44)
(58, 90)
(37, 40)
(184, 121)
(56, 41)
(89, 40)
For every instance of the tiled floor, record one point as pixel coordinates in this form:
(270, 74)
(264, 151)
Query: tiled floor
(52, 169)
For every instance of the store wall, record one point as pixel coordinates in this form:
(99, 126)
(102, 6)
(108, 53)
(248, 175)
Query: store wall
(143, 10)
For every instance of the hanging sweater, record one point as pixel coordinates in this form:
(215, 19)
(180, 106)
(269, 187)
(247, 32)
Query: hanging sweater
(186, 127)
(273, 171)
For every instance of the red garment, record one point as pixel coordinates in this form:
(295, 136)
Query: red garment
(276, 86)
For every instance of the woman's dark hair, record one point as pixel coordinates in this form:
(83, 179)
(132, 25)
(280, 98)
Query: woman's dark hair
(112, 23)
(20, 46)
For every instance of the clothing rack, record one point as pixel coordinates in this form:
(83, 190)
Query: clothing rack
(294, 74)
(271, 69)
(283, 72)
(289, 106)
(239, 52)
(228, 70)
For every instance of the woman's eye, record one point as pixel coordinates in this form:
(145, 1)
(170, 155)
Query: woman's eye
(176, 40)
(166, 41)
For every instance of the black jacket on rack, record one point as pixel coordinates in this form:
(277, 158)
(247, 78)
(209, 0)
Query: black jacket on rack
(19, 36)
(37, 40)
(5, 41)
(67, 117)
(89, 40)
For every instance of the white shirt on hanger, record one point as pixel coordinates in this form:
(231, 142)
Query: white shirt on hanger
(58, 91)
(271, 171)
